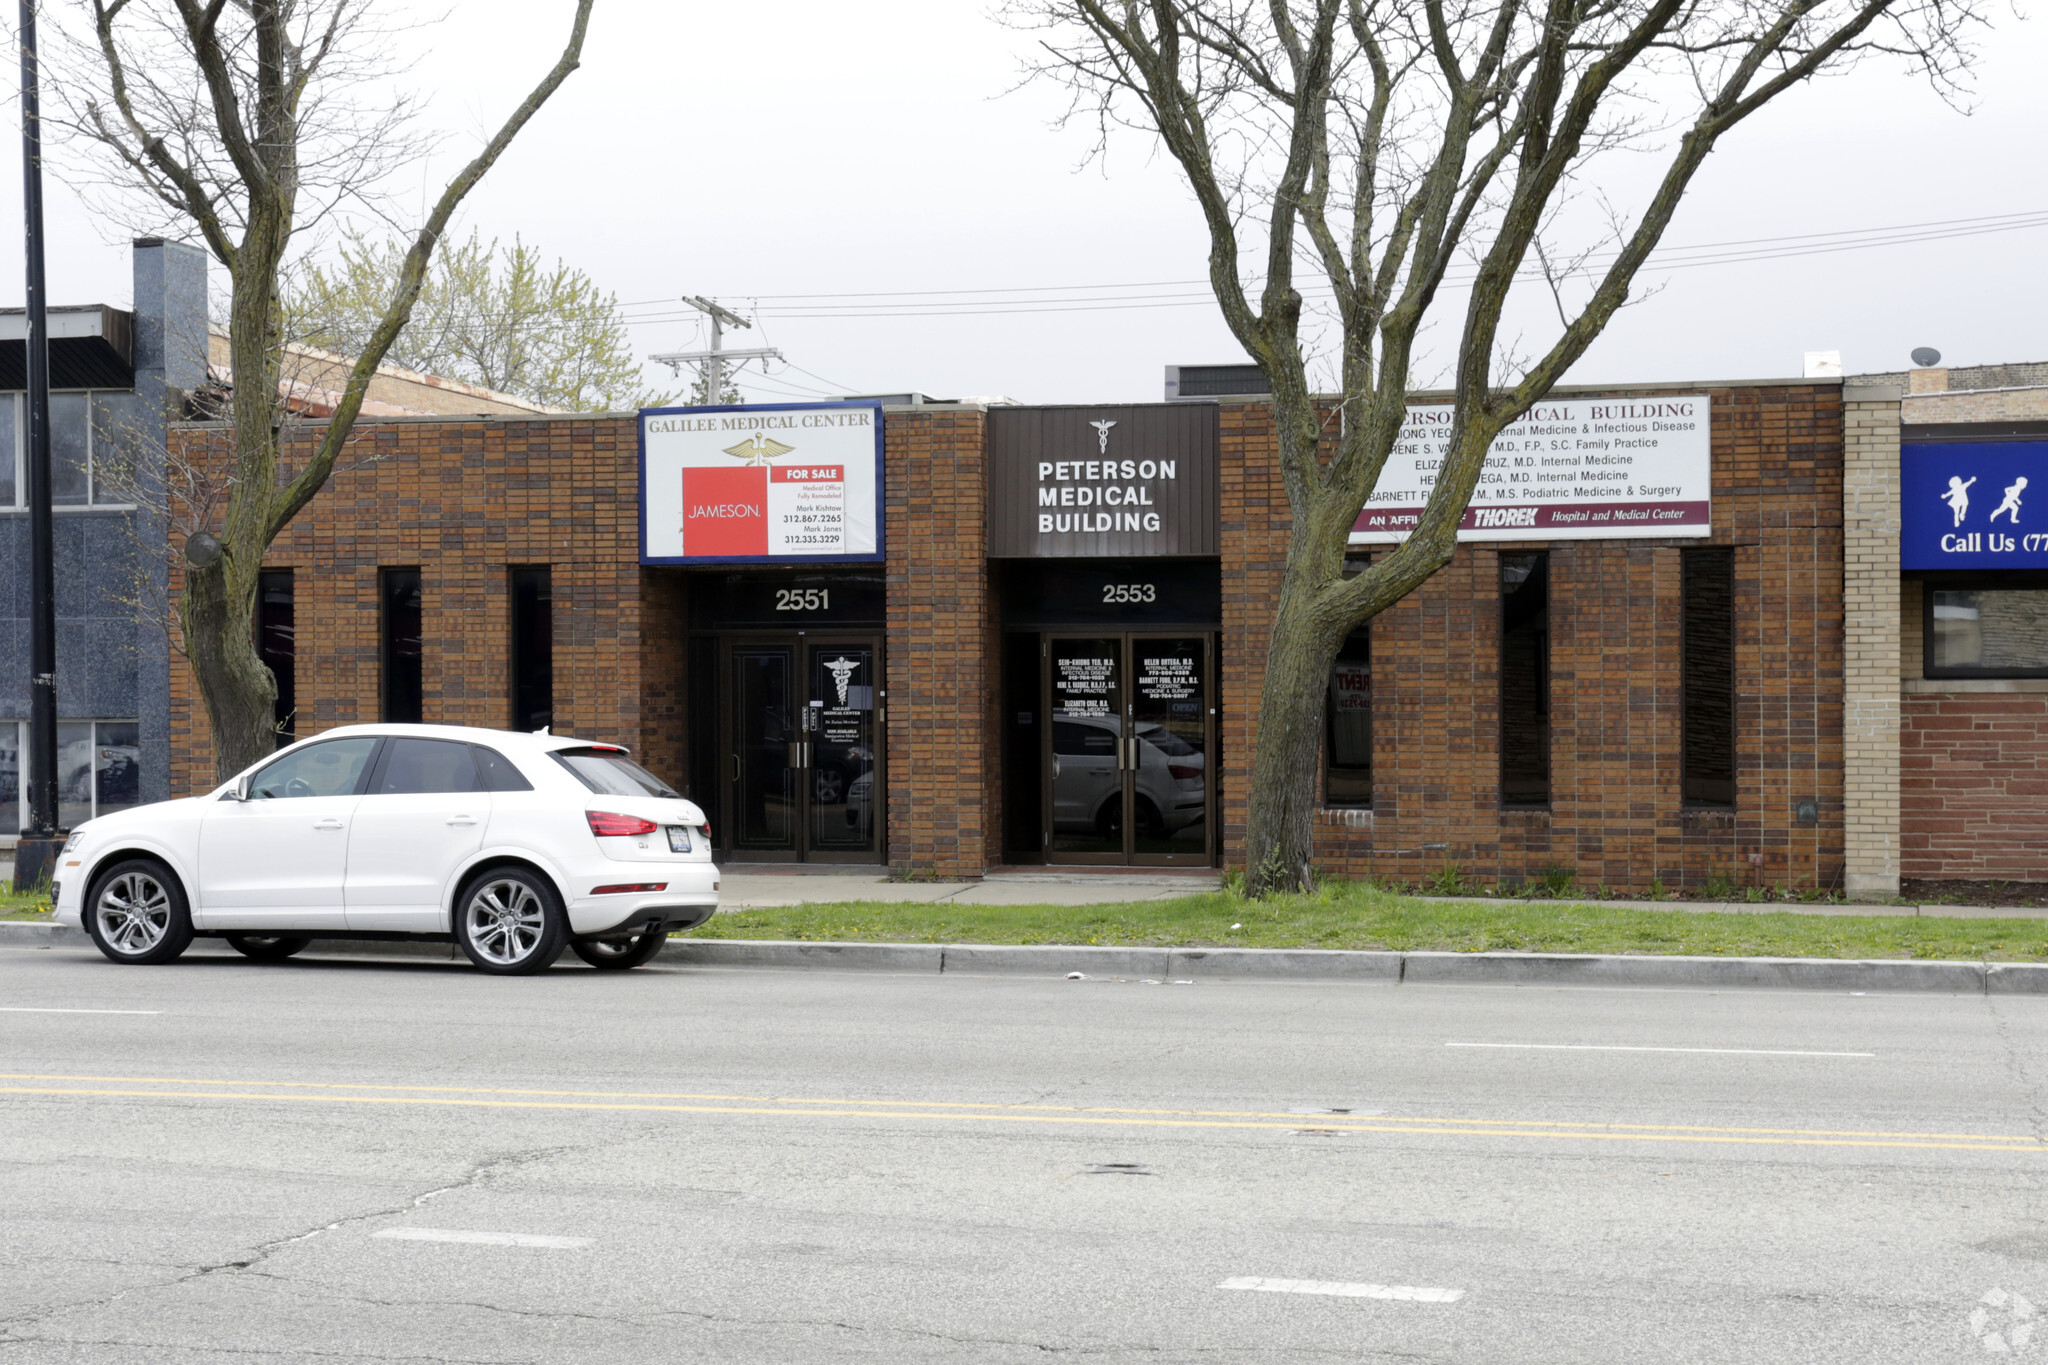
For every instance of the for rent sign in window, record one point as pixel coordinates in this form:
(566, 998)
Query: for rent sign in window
(1572, 469)
(791, 483)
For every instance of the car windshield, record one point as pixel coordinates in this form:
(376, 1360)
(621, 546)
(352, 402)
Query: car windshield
(608, 772)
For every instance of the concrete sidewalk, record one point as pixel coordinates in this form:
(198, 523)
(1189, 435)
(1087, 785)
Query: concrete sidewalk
(755, 887)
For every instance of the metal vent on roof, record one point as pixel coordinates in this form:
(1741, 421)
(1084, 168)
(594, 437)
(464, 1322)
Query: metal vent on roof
(1186, 382)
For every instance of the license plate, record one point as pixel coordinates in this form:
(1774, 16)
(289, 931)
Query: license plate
(678, 839)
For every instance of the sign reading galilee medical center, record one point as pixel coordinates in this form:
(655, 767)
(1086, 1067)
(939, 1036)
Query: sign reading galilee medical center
(1973, 505)
(792, 483)
(1572, 469)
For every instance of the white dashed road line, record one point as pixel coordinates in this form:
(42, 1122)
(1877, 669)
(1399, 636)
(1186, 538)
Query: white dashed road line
(1341, 1290)
(37, 1009)
(1620, 1048)
(493, 1239)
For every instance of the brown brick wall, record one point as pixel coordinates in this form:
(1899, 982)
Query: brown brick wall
(945, 817)
(462, 500)
(1973, 772)
(1615, 816)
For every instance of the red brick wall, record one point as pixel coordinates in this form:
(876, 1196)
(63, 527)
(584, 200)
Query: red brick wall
(945, 817)
(1973, 769)
(1615, 816)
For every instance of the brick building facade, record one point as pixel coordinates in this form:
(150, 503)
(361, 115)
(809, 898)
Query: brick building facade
(644, 654)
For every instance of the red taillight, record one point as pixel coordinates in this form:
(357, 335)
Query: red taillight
(1183, 771)
(606, 825)
(629, 888)
(707, 834)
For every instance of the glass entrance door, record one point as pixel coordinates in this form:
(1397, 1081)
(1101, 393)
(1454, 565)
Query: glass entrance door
(1128, 764)
(803, 739)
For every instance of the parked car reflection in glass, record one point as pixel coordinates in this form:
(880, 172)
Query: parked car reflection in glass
(1087, 788)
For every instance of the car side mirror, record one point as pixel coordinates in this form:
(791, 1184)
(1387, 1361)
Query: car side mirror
(242, 785)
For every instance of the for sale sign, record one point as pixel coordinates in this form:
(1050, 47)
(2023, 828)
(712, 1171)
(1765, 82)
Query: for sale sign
(1571, 469)
(765, 484)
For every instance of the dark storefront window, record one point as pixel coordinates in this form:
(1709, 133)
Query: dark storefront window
(1525, 680)
(1986, 632)
(1347, 724)
(403, 679)
(533, 647)
(1707, 677)
(277, 645)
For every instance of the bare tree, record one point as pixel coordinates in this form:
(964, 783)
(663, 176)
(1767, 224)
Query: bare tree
(250, 121)
(1389, 146)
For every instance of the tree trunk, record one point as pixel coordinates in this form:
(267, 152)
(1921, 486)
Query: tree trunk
(1280, 816)
(240, 692)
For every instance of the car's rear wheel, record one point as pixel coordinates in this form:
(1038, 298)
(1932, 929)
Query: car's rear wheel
(268, 947)
(619, 954)
(510, 921)
(136, 912)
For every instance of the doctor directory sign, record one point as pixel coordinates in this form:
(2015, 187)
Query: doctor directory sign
(761, 484)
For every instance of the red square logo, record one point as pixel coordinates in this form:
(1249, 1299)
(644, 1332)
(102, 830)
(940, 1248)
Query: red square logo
(725, 511)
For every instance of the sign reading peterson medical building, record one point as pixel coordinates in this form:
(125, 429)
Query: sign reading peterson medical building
(795, 482)
(1572, 469)
(1091, 482)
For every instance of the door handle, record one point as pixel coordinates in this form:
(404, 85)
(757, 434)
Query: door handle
(329, 823)
(462, 819)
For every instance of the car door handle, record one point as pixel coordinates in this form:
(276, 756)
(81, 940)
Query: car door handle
(462, 819)
(329, 823)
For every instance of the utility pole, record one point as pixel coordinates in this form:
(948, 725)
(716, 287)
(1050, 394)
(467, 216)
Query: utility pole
(711, 364)
(35, 857)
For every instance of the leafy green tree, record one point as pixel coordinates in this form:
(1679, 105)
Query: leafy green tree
(499, 318)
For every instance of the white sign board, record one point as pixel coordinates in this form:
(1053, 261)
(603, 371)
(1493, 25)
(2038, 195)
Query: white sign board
(1572, 469)
(794, 483)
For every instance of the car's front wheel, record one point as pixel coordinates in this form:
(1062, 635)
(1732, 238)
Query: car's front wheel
(510, 921)
(136, 912)
(268, 947)
(619, 954)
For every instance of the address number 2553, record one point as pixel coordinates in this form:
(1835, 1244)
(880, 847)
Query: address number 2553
(1129, 592)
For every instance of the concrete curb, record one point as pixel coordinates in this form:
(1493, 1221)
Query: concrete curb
(1264, 964)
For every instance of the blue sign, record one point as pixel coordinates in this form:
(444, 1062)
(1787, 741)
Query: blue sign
(1974, 505)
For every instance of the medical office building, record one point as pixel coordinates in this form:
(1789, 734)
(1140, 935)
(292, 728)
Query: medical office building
(950, 638)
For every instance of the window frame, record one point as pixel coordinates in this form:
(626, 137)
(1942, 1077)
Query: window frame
(385, 640)
(21, 767)
(1540, 560)
(93, 501)
(1687, 778)
(1931, 583)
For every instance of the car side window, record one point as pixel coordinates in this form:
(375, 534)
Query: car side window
(418, 766)
(497, 771)
(332, 768)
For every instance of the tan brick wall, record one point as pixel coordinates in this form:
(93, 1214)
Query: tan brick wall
(1976, 405)
(1615, 816)
(1872, 644)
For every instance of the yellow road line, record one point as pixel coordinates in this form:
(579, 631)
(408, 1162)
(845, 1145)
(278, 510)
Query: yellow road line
(966, 1108)
(1444, 1127)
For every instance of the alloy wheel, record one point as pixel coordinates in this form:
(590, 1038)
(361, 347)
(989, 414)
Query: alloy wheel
(134, 913)
(505, 921)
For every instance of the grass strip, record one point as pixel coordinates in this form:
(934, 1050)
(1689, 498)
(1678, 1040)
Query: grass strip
(1358, 916)
(29, 905)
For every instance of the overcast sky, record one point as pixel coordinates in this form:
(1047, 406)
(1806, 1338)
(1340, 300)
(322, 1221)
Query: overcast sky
(815, 147)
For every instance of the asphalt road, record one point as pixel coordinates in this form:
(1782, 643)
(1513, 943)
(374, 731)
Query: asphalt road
(381, 1160)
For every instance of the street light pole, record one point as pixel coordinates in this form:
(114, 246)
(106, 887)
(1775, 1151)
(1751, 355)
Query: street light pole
(35, 857)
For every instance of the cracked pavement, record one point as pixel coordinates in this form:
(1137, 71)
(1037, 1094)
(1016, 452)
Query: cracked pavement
(817, 1166)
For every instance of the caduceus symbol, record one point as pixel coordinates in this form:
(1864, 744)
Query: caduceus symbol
(1102, 435)
(842, 674)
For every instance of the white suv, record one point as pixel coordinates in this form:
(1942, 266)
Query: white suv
(516, 845)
